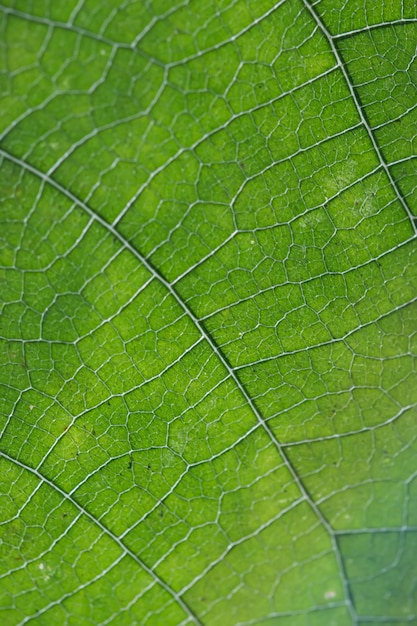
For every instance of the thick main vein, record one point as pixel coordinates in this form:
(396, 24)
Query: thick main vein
(214, 347)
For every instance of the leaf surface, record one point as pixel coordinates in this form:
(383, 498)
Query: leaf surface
(209, 271)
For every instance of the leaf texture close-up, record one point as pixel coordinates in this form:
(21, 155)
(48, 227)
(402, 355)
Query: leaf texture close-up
(208, 316)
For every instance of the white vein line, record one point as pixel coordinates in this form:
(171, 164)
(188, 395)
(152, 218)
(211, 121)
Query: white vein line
(358, 107)
(371, 27)
(232, 374)
(405, 159)
(409, 619)
(108, 533)
(372, 530)
(350, 433)
(331, 341)
(397, 118)
(76, 30)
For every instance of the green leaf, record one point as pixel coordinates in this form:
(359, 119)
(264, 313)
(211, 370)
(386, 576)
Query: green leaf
(208, 325)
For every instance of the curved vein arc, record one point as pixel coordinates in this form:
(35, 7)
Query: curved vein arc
(218, 352)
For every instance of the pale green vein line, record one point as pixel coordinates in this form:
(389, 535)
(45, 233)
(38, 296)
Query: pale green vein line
(409, 619)
(330, 342)
(76, 30)
(371, 27)
(292, 614)
(373, 531)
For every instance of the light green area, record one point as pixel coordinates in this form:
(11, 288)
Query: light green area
(208, 313)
